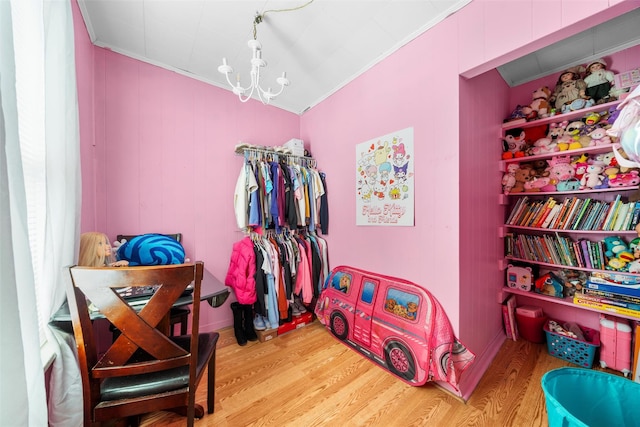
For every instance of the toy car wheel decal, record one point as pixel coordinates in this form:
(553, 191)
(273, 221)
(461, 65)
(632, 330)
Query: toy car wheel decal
(400, 361)
(339, 326)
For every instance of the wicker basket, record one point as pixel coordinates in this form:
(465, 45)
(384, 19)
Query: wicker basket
(581, 353)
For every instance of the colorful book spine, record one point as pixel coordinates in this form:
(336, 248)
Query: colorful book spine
(578, 217)
(515, 212)
(505, 319)
(611, 295)
(616, 289)
(547, 210)
(579, 300)
(636, 217)
(585, 253)
(626, 225)
(608, 224)
(610, 301)
(511, 308)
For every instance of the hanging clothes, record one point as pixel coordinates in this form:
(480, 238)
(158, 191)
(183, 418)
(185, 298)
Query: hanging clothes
(286, 201)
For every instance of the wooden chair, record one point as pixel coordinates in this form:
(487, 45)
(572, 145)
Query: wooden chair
(143, 370)
(179, 315)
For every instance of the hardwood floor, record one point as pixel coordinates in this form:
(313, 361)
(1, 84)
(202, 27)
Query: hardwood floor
(308, 378)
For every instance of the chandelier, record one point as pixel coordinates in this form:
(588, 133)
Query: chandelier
(245, 93)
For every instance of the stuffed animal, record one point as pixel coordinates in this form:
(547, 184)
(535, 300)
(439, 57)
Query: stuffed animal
(539, 183)
(543, 146)
(569, 88)
(556, 130)
(151, 249)
(541, 167)
(517, 114)
(514, 144)
(617, 253)
(592, 177)
(581, 169)
(534, 133)
(570, 140)
(599, 81)
(599, 137)
(509, 178)
(540, 104)
(524, 174)
(591, 122)
(627, 179)
(561, 172)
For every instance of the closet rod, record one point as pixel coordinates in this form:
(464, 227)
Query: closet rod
(309, 161)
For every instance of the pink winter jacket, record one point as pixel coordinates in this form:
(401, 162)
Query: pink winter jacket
(242, 271)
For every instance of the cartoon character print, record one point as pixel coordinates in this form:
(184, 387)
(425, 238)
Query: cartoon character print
(365, 192)
(381, 153)
(390, 305)
(371, 174)
(385, 171)
(395, 193)
(341, 282)
(379, 189)
(408, 310)
(412, 310)
(400, 311)
(400, 162)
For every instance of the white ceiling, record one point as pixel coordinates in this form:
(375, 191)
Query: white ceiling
(599, 41)
(322, 46)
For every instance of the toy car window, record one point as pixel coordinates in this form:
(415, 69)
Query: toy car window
(402, 304)
(341, 281)
(368, 291)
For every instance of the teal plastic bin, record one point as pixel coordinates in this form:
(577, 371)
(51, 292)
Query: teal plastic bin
(587, 398)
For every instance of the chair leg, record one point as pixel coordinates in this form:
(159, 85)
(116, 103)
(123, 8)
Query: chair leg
(211, 383)
(183, 325)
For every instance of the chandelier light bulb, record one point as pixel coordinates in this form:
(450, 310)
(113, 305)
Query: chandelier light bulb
(244, 94)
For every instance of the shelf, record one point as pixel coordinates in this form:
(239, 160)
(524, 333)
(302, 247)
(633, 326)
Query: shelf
(568, 301)
(555, 230)
(568, 267)
(596, 149)
(577, 192)
(561, 117)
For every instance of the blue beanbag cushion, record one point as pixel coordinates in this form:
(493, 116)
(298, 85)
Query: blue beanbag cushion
(151, 249)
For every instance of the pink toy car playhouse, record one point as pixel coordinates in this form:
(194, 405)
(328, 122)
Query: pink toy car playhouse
(395, 323)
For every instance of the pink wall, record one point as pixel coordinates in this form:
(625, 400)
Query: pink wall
(453, 249)
(158, 155)
(163, 155)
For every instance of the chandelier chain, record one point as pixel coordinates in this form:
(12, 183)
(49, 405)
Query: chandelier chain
(260, 16)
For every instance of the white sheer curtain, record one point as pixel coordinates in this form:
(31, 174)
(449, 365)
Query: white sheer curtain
(39, 207)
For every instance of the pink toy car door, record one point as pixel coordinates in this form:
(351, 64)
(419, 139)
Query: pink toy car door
(364, 311)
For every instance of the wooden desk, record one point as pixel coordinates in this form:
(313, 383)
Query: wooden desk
(213, 291)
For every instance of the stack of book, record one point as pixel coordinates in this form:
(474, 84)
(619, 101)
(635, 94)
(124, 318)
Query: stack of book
(575, 214)
(612, 292)
(559, 250)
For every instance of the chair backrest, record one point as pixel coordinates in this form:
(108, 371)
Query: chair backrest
(142, 347)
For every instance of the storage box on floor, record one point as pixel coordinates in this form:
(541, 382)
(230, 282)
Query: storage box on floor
(267, 334)
(296, 323)
(615, 344)
(563, 346)
(530, 321)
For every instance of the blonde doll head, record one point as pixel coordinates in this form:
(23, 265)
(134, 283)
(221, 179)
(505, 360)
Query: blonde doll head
(95, 250)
